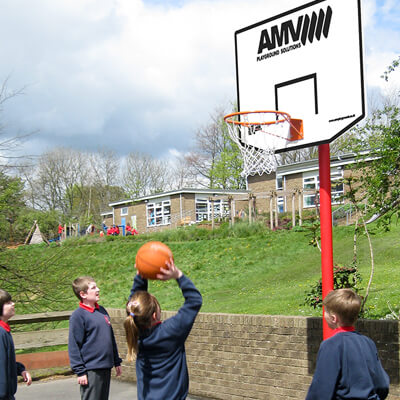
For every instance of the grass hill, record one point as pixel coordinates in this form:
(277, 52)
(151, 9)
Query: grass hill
(241, 270)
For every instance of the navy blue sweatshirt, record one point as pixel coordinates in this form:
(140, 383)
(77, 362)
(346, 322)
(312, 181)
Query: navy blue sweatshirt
(9, 368)
(161, 368)
(348, 367)
(91, 342)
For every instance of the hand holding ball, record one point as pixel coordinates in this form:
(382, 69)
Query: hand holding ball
(151, 257)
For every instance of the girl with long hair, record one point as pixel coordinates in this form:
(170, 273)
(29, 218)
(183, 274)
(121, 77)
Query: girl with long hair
(161, 368)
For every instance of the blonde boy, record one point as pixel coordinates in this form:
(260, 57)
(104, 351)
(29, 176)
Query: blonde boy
(348, 366)
(91, 346)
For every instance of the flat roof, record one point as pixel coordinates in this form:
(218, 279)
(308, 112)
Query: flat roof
(313, 164)
(211, 192)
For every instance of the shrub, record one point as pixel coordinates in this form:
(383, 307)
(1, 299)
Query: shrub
(343, 277)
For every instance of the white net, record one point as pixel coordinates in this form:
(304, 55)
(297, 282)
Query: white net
(258, 139)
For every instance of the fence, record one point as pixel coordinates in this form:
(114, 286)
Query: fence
(347, 214)
(41, 338)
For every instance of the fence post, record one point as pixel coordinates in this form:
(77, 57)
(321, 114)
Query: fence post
(300, 207)
(231, 202)
(250, 213)
(271, 213)
(212, 212)
(293, 210)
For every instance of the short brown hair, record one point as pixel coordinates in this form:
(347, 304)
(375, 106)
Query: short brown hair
(5, 297)
(345, 303)
(81, 284)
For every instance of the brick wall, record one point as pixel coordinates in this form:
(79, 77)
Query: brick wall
(263, 183)
(260, 356)
(140, 211)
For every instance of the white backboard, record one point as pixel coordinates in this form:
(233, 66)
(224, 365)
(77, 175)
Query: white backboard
(307, 62)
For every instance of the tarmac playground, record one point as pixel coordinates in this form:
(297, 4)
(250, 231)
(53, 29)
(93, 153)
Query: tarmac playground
(66, 388)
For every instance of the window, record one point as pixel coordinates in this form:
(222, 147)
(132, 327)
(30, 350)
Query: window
(201, 210)
(337, 189)
(204, 209)
(309, 200)
(221, 208)
(280, 182)
(281, 200)
(311, 183)
(158, 213)
(124, 211)
(281, 204)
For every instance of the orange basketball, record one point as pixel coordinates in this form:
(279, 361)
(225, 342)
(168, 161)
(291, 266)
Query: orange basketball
(151, 257)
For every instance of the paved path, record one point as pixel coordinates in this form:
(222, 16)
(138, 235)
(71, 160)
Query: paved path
(67, 389)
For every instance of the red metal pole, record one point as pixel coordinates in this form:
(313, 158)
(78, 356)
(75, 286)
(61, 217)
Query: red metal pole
(326, 227)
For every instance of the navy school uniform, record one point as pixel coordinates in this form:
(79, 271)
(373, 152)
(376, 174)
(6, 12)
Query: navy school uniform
(91, 342)
(161, 368)
(348, 367)
(9, 368)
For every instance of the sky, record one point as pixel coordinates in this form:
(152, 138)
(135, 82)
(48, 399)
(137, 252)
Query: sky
(141, 75)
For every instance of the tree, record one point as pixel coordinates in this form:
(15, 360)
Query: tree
(60, 176)
(104, 188)
(80, 185)
(11, 203)
(9, 142)
(182, 176)
(216, 161)
(395, 63)
(226, 170)
(380, 176)
(48, 222)
(25, 280)
(377, 183)
(143, 175)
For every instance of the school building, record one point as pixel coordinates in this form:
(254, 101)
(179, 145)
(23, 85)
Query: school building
(296, 185)
(176, 208)
(292, 188)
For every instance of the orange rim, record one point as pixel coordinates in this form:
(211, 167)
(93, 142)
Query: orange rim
(227, 118)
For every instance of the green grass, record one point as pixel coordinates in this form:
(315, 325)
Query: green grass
(60, 347)
(247, 270)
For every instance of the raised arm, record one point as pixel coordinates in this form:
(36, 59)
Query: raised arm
(181, 324)
(139, 284)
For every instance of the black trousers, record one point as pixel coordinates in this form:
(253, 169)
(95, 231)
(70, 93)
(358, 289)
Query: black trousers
(98, 387)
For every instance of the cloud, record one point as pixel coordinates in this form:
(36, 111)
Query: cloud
(137, 75)
(381, 20)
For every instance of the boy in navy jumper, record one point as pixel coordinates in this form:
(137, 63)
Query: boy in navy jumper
(161, 368)
(91, 345)
(348, 366)
(9, 368)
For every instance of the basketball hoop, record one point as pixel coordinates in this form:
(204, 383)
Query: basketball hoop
(258, 134)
